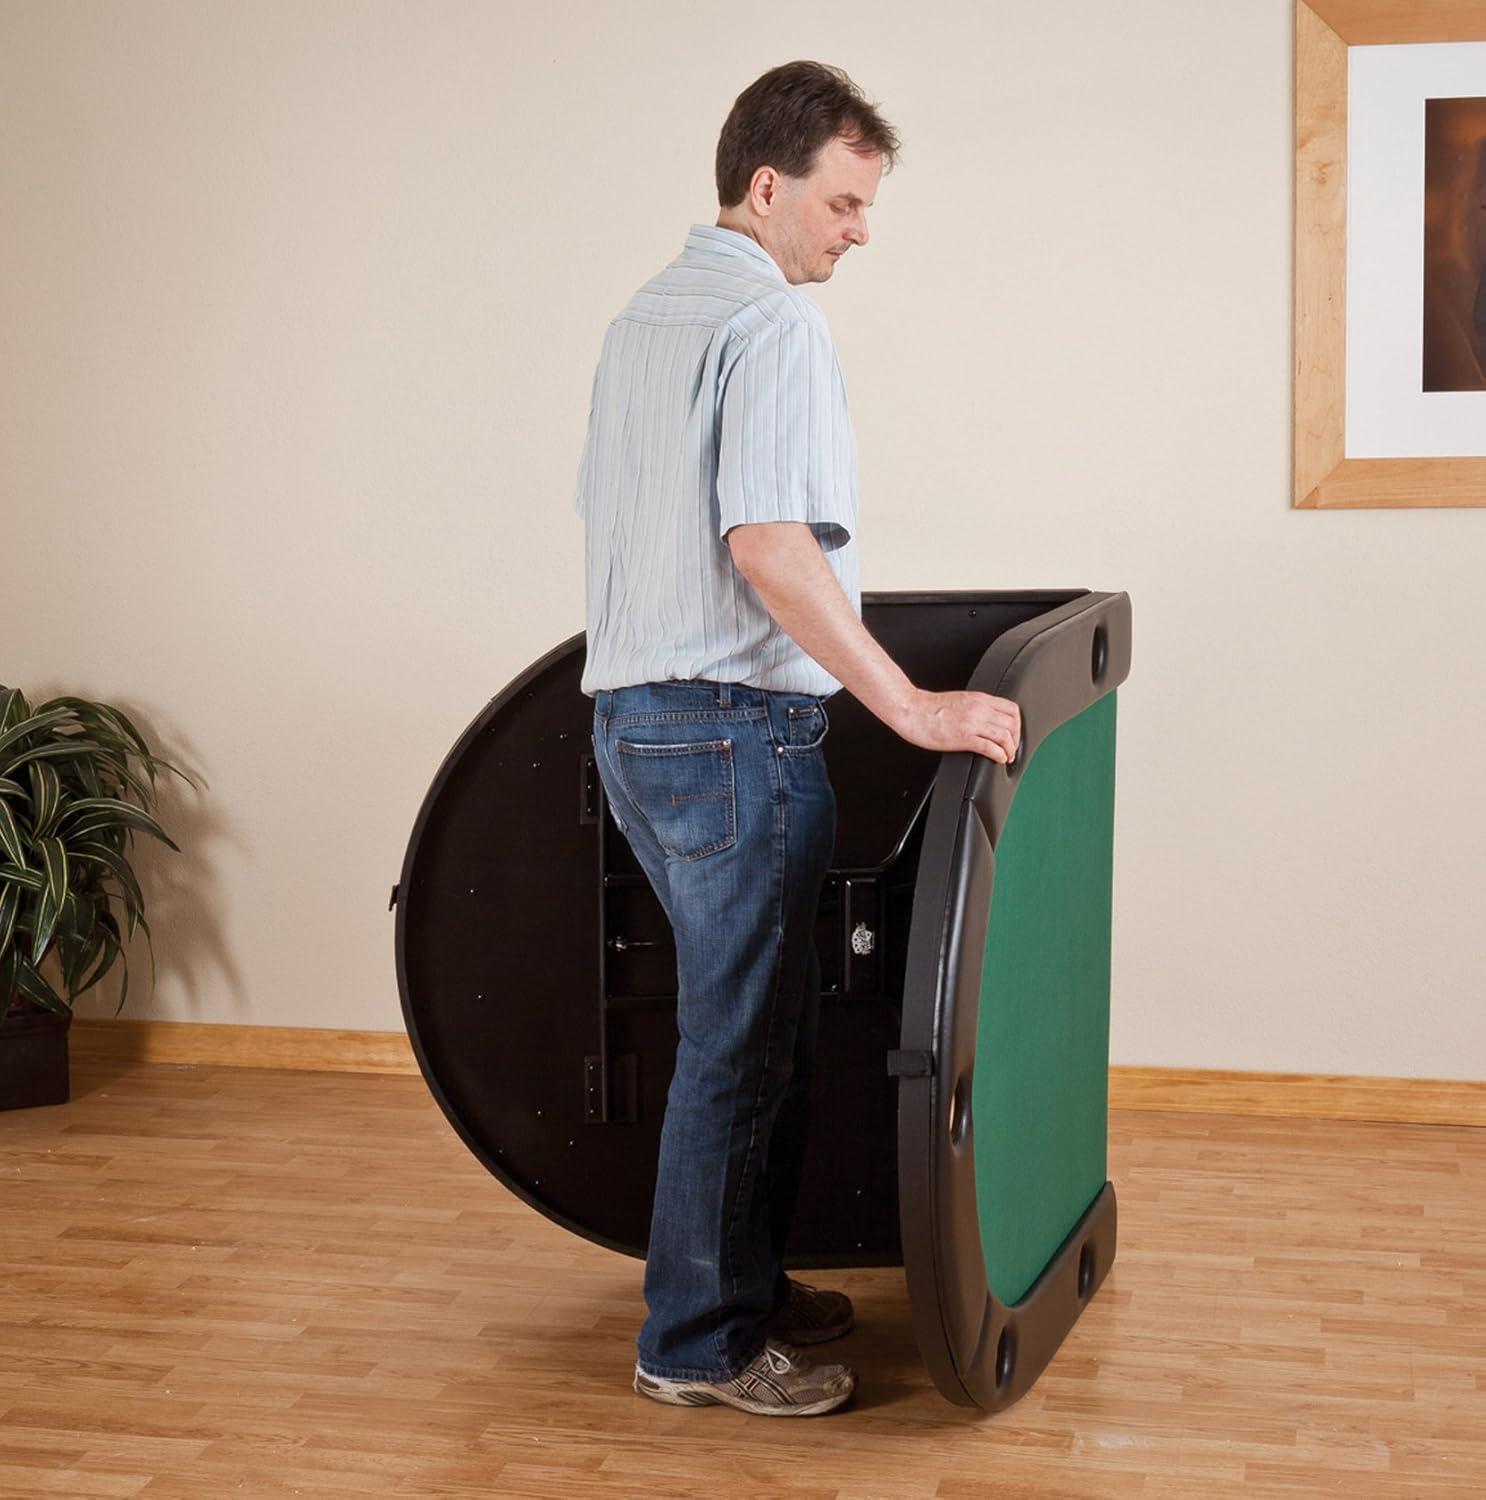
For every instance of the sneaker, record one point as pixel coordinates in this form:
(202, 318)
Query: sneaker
(811, 1316)
(780, 1382)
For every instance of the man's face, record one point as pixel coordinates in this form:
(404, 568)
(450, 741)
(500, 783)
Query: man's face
(814, 220)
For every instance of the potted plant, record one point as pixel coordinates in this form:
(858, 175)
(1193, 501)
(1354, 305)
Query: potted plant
(67, 820)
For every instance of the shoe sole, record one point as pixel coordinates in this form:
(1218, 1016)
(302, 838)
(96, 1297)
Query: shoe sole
(699, 1395)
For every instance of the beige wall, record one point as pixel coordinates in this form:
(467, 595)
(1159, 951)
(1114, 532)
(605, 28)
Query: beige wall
(300, 308)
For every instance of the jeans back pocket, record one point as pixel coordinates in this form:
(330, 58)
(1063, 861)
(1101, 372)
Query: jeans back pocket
(685, 792)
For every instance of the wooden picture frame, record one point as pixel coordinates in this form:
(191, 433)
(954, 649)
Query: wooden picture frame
(1324, 478)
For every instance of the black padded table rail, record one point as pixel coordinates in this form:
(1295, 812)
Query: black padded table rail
(958, 1119)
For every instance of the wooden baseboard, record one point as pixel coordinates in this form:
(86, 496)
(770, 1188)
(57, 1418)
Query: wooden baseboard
(313, 1049)
(1416, 1101)
(1327, 1096)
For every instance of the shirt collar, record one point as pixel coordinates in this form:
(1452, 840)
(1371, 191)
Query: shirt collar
(714, 239)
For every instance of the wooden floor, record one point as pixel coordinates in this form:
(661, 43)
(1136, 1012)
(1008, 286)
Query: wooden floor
(225, 1282)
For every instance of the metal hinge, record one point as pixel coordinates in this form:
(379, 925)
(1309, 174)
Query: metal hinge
(909, 1063)
(623, 1107)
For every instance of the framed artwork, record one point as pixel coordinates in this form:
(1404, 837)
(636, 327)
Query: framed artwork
(1390, 253)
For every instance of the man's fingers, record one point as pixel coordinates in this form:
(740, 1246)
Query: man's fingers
(1006, 733)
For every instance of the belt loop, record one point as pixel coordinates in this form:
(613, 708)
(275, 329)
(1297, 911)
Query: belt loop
(725, 695)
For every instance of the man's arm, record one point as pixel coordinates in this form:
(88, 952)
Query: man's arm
(783, 563)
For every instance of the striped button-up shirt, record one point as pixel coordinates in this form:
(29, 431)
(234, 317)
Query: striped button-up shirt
(717, 400)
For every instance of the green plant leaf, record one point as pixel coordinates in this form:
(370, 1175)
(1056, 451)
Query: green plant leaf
(10, 905)
(25, 979)
(30, 880)
(84, 942)
(107, 920)
(113, 758)
(46, 789)
(87, 774)
(84, 924)
(137, 920)
(10, 836)
(111, 951)
(67, 942)
(66, 826)
(100, 711)
(54, 856)
(98, 715)
(34, 725)
(104, 812)
(116, 864)
(74, 744)
(13, 707)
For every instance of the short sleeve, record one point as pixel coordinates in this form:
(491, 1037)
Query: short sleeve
(782, 434)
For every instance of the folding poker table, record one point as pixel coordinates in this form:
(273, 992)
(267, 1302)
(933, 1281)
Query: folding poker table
(960, 1105)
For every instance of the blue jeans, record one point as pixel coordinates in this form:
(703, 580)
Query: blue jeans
(722, 792)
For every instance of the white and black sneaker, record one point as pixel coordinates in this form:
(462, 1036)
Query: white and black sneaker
(780, 1382)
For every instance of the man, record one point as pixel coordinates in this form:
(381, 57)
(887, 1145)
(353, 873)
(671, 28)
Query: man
(718, 489)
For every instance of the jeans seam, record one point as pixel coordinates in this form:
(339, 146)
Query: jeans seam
(712, 1321)
(683, 715)
(781, 871)
(711, 1377)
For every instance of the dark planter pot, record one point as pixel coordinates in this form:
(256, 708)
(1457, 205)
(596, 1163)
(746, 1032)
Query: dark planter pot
(33, 1057)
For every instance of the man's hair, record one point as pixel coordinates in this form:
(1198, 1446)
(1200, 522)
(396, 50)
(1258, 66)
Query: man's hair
(784, 117)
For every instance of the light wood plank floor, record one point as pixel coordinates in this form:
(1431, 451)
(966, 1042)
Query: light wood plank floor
(238, 1282)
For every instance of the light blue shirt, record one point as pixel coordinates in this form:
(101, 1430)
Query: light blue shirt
(717, 400)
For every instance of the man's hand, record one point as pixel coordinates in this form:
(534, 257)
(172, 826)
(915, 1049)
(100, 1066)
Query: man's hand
(981, 722)
(783, 562)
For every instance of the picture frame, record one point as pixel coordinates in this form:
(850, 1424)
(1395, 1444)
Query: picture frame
(1324, 478)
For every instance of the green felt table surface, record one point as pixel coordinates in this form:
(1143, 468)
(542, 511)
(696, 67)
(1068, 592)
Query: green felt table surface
(1040, 1093)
